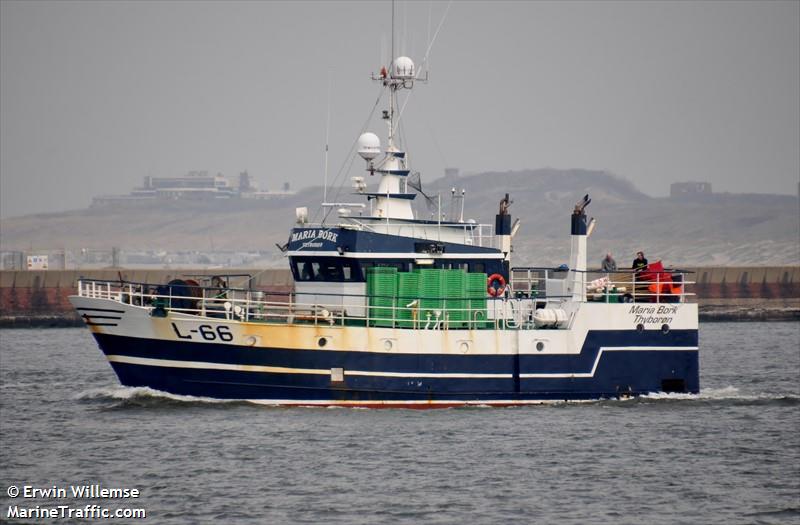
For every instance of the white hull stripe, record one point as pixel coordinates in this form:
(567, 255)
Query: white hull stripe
(600, 354)
(170, 363)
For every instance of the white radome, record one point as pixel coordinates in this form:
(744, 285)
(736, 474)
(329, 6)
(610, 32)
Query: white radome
(403, 68)
(369, 146)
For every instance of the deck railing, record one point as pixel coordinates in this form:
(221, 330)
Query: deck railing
(621, 286)
(514, 309)
(281, 307)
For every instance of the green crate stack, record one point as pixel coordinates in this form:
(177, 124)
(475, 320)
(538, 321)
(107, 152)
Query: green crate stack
(455, 293)
(431, 292)
(476, 292)
(407, 292)
(382, 291)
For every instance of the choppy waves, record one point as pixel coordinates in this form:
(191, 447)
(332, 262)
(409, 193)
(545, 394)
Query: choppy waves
(122, 396)
(726, 455)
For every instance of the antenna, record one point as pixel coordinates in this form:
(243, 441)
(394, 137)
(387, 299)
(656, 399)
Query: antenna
(456, 207)
(424, 63)
(382, 58)
(439, 215)
(391, 58)
(463, 198)
(327, 135)
(430, 16)
(453, 203)
(404, 41)
(432, 40)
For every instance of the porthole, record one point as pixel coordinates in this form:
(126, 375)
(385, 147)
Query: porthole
(464, 347)
(665, 329)
(322, 341)
(640, 327)
(387, 345)
(539, 346)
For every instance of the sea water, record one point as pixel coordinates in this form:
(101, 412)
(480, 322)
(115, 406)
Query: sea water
(728, 455)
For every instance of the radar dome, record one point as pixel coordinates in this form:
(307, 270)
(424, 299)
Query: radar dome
(403, 68)
(369, 146)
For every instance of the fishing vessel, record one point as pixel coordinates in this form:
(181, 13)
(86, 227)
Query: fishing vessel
(392, 309)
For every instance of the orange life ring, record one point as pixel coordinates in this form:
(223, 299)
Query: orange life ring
(493, 290)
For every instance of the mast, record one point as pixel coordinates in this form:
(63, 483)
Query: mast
(327, 137)
(392, 199)
(391, 90)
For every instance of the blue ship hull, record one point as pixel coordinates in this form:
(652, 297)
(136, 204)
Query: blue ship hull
(610, 364)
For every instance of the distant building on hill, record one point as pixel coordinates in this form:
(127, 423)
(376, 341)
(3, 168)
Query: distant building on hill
(194, 186)
(685, 189)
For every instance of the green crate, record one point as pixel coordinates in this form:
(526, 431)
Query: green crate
(455, 294)
(476, 293)
(476, 284)
(431, 289)
(381, 293)
(458, 295)
(407, 293)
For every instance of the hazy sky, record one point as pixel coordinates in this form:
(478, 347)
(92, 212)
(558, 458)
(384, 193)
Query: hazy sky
(96, 95)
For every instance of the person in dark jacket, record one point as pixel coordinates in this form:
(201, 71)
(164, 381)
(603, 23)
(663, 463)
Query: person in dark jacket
(640, 263)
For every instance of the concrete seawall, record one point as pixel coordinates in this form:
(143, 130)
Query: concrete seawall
(40, 298)
(764, 282)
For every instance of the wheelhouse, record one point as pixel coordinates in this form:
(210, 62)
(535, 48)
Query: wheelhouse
(351, 269)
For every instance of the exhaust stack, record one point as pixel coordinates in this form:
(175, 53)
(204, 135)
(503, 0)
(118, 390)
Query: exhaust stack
(502, 228)
(577, 255)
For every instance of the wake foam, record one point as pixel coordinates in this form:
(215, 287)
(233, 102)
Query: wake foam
(126, 393)
(143, 396)
(726, 393)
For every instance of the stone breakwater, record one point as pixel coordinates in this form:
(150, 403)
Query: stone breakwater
(40, 298)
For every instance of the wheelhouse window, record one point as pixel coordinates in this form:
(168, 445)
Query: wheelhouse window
(317, 271)
(452, 265)
(328, 269)
(342, 269)
(302, 271)
(347, 271)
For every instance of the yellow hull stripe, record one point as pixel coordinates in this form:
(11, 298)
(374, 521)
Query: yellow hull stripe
(284, 370)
